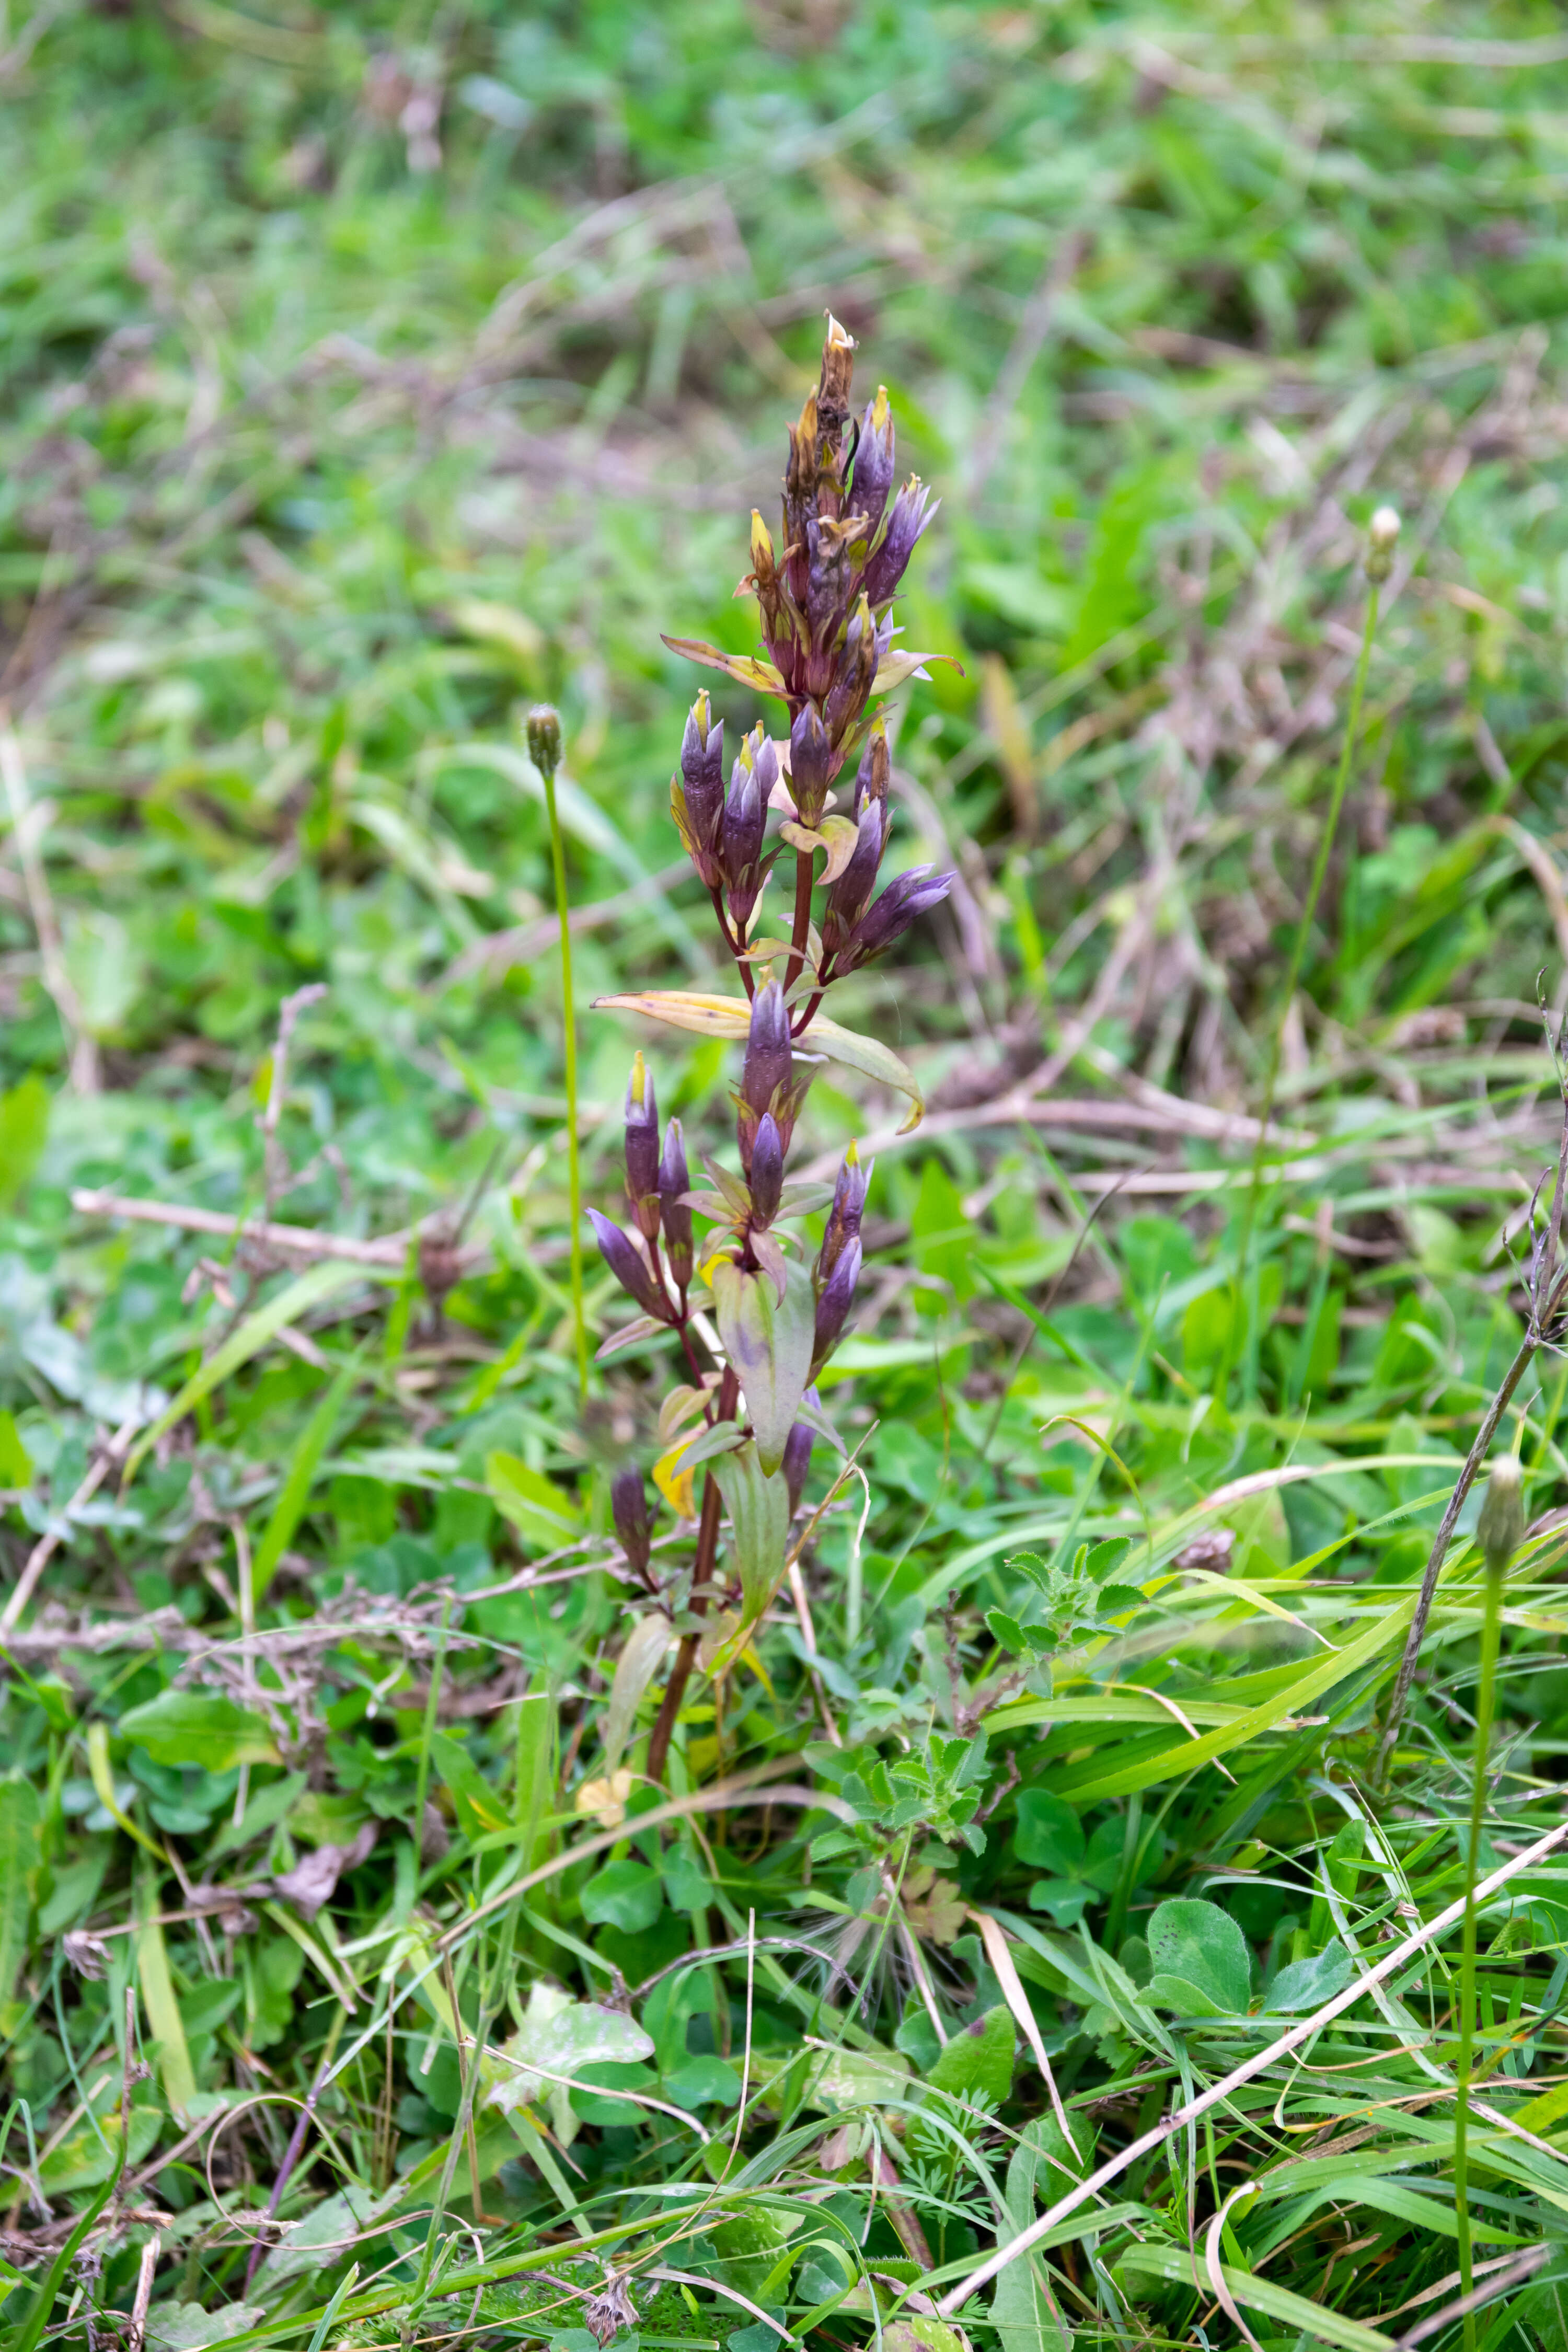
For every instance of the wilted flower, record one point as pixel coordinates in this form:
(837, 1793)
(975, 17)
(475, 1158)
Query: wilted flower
(628, 1508)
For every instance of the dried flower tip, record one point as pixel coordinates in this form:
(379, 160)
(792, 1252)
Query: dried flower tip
(629, 1507)
(1500, 1530)
(1381, 538)
(838, 368)
(761, 548)
(545, 738)
(674, 1183)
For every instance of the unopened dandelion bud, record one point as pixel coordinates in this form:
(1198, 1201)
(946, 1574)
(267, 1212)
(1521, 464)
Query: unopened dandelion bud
(674, 1182)
(642, 1150)
(545, 738)
(1382, 539)
(628, 1508)
(1500, 1530)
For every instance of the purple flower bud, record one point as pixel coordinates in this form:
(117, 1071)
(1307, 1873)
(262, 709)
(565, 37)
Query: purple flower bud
(848, 898)
(888, 918)
(767, 1170)
(874, 463)
(702, 767)
(769, 1061)
(746, 817)
(872, 776)
(629, 1268)
(796, 1463)
(642, 1151)
(673, 1180)
(833, 1303)
(854, 671)
(810, 764)
(914, 513)
(629, 1507)
(845, 1214)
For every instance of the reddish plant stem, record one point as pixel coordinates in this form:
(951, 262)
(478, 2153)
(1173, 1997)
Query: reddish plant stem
(732, 944)
(802, 930)
(702, 1571)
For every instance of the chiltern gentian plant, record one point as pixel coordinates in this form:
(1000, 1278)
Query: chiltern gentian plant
(747, 1422)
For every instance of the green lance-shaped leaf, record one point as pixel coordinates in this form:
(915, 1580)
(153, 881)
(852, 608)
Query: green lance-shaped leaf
(640, 1660)
(768, 1341)
(759, 1515)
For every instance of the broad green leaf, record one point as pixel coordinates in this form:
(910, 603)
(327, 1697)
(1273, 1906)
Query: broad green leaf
(978, 2061)
(90, 2151)
(639, 1663)
(198, 1727)
(1306, 1985)
(1048, 1834)
(19, 1813)
(191, 2327)
(625, 1895)
(768, 1341)
(759, 1518)
(257, 1331)
(1200, 1960)
(535, 1506)
(563, 2035)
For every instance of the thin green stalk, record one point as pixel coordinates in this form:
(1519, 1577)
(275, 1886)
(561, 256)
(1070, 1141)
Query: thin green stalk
(1498, 1532)
(545, 747)
(1490, 1629)
(1288, 997)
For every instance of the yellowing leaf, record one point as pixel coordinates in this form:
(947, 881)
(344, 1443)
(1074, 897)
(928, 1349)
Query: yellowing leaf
(836, 835)
(683, 1008)
(768, 1341)
(746, 670)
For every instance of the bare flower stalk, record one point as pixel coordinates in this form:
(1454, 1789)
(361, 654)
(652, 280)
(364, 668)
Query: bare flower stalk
(1500, 1533)
(544, 751)
(746, 1422)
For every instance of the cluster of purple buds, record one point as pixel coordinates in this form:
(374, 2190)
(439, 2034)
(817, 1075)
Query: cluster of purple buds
(723, 831)
(767, 1102)
(856, 928)
(839, 1260)
(656, 1186)
(825, 600)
